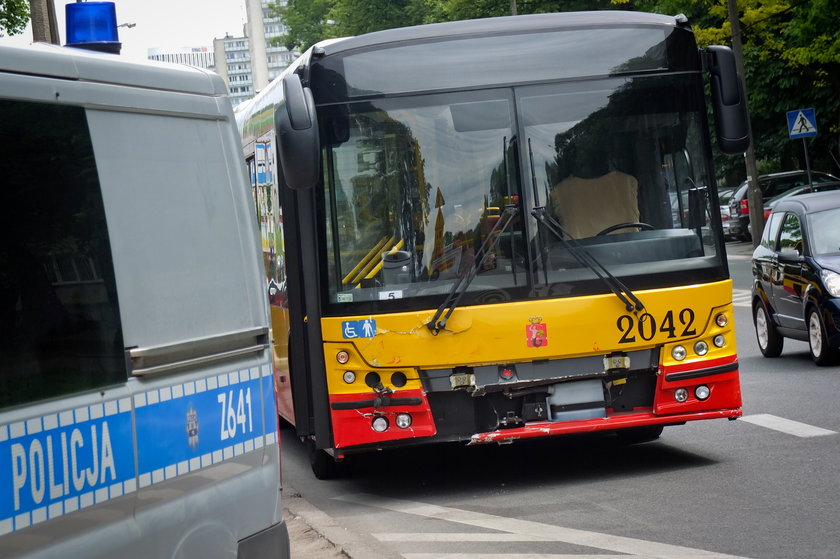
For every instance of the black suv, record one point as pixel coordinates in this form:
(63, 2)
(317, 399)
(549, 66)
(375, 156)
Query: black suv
(771, 185)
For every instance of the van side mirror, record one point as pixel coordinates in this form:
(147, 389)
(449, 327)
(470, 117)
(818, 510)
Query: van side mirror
(729, 104)
(297, 135)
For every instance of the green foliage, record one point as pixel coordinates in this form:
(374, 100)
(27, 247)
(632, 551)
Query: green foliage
(354, 17)
(14, 14)
(306, 21)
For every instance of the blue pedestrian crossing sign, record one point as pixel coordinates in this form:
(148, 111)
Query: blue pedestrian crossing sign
(801, 123)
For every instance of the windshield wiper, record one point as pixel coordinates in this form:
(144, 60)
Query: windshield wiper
(445, 310)
(631, 302)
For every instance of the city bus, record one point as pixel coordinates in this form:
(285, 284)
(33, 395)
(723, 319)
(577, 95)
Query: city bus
(499, 229)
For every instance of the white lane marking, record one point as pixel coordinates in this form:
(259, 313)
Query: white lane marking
(786, 425)
(537, 531)
(518, 556)
(453, 537)
(741, 298)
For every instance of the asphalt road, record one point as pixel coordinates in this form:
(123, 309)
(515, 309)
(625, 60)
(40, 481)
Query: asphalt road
(765, 486)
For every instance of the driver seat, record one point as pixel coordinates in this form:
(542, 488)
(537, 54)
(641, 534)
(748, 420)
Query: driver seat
(585, 207)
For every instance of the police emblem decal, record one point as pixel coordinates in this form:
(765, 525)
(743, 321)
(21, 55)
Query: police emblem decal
(192, 428)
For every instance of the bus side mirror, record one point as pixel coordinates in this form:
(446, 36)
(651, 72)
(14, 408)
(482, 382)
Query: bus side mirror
(297, 135)
(728, 102)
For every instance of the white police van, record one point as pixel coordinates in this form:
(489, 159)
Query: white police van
(137, 407)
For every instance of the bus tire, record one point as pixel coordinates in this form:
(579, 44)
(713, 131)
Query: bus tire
(323, 465)
(636, 435)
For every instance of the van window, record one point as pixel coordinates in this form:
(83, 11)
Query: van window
(59, 320)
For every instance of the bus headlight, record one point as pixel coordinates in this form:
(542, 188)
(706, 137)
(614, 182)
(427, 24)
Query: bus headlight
(349, 377)
(380, 424)
(678, 352)
(701, 348)
(721, 320)
(342, 357)
(702, 392)
(719, 340)
(681, 395)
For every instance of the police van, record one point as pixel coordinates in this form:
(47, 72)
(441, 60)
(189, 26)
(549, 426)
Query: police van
(137, 407)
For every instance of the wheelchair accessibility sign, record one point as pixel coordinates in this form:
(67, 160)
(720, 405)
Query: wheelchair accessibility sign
(351, 329)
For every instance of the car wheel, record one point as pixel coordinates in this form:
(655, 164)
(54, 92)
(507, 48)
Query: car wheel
(821, 352)
(770, 342)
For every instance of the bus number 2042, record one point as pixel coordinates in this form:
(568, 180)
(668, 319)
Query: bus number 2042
(235, 417)
(673, 325)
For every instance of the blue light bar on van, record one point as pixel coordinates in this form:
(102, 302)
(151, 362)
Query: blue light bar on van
(92, 26)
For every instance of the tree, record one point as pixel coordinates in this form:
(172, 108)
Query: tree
(14, 14)
(306, 21)
(354, 17)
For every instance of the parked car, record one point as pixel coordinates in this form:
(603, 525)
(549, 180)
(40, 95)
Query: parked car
(725, 215)
(821, 187)
(771, 185)
(796, 277)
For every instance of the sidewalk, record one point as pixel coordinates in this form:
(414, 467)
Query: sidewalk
(315, 535)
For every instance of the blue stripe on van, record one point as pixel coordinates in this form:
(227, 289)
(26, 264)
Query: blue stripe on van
(62, 462)
(203, 423)
(69, 460)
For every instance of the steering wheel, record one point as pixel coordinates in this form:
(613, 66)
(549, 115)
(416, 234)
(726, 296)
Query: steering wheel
(617, 226)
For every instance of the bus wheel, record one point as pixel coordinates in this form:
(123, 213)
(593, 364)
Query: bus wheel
(636, 435)
(323, 465)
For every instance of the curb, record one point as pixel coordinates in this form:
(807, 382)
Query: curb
(325, 538)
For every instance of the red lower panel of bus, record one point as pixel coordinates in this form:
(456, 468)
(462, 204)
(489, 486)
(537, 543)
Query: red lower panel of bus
(354, 426)
(353, 415)
(548, 429)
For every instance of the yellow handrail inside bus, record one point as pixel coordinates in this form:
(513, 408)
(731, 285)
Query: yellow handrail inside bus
(378, 267)
(355, 274)
(372, 263)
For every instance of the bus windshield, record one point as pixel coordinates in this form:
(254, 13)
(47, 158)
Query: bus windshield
(414, 186)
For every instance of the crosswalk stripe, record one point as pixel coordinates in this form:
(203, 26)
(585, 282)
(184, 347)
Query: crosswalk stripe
(786, 425)
(532, 530)
(742, 298)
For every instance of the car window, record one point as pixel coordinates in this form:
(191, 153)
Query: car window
(771, 231)
(776, 188)
(741, 192)
(791, 236)
(825, 234)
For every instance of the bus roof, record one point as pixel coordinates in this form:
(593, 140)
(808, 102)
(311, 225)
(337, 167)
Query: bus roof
(500, 25)
(47, 60)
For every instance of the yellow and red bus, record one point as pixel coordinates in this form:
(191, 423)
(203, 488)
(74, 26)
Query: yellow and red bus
(499, 229)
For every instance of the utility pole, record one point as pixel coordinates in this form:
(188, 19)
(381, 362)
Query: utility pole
(44, 24)
(513, 7)
(754, 196)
